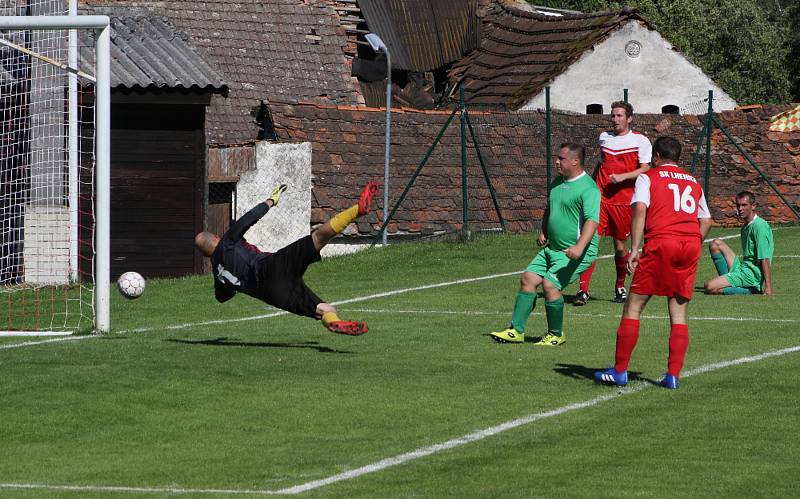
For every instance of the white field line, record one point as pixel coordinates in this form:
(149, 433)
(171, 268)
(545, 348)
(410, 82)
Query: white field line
(494, 430)
(139, 490)
(408, 456)
(273, 314)
(572, 314)
(57, 340)
(342, 302)
(279, 313)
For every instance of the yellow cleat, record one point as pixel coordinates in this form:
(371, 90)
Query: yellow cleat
(551, 340)
(509, 335)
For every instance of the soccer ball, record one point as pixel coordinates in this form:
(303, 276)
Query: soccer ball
(131, 285)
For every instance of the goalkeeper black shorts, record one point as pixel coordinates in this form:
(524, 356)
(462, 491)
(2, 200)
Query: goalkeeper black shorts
(281, 278)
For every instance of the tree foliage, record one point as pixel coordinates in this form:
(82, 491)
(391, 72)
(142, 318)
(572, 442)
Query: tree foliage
(748, 47)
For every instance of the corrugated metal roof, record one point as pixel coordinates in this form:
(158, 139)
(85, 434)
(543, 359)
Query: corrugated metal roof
(423, 34)
(149, 51)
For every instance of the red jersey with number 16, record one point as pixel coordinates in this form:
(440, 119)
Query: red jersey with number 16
(674, 201)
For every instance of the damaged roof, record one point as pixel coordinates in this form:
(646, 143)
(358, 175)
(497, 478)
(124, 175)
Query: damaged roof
(522, 51)
(423, 35)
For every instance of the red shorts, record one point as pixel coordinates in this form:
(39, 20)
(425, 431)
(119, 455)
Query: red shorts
(615, 220)
(667, 267)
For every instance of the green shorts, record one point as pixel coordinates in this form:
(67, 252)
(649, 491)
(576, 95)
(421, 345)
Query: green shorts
(556, 267)
(744, 275)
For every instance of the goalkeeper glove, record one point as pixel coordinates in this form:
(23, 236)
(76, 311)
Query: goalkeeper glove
(276, 194)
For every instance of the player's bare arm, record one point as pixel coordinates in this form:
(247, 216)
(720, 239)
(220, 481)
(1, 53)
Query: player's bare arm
(705, 226)
(637, 233)
(766, 275)
(541, 240)
(621, 177)
(575, 252)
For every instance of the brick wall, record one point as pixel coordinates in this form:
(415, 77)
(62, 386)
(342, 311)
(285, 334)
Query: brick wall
(347, 145)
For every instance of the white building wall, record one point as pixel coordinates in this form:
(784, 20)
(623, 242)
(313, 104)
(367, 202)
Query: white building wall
(642, 61)
(289, 221)
(46, 251)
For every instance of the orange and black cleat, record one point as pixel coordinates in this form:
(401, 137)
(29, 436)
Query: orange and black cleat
(349, 328)
(365, 202)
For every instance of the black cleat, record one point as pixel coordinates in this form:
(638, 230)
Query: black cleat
(620, 295)
(581, 299)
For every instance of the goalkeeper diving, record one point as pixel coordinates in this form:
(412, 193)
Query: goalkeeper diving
(277, 278)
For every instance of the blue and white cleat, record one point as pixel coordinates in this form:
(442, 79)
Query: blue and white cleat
(612, 377)
(669, 382)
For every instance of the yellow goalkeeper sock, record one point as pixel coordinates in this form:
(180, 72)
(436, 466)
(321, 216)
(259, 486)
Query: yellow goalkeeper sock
(329, 317)
(345, 218)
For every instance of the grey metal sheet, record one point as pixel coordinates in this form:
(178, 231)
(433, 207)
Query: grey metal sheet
(149, 51)
(423, 35)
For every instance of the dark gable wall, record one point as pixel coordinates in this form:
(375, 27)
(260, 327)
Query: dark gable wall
(157, 163)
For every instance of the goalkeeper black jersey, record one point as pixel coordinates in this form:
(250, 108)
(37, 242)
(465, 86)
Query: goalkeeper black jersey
(235, 262)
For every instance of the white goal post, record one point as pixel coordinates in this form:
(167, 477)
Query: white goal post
(99, 264)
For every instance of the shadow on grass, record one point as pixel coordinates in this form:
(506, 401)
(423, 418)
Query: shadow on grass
(227, 342)
(570, 300)
(576, 371)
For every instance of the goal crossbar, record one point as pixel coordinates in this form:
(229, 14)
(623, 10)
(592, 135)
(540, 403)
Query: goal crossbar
(99, 23)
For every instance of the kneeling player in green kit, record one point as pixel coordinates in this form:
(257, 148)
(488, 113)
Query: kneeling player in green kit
(569, 234)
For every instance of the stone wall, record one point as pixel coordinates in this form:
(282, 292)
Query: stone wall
(277, 164)
(347, 151)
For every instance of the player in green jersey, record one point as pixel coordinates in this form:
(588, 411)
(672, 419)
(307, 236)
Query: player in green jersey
(569, 237)
(752, 273)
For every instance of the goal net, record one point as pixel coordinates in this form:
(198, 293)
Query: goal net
(53, 203)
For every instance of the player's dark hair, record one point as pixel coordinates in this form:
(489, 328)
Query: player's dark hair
(751, 198)
(575, 149)
(624, 105)
(667, 148)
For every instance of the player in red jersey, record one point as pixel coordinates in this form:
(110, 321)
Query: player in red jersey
(625, 155)
(670, 211)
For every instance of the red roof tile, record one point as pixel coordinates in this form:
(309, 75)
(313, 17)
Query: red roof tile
(284, 50)
(521, 52)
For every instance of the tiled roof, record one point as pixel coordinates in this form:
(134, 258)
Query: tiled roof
(347, 145)
(149, 51)
(521, 52)
(272, 50)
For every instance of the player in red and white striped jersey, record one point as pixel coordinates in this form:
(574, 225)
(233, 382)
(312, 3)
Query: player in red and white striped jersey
(671, 214)
(625, 155)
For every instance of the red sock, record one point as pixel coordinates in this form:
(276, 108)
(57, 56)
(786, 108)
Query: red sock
(622, 269)
(678, 343)
(586, 277)
(627, 336)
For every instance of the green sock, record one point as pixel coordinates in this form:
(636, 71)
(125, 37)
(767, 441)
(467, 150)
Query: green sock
(555, 315)
(523, 306)
(720, 263)
(733, 290)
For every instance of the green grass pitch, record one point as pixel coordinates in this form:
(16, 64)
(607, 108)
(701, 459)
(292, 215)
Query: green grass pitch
(191, 397)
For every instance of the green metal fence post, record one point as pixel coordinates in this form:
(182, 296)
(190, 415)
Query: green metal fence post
(464, 201)
(625, 94)
(548, 131)
(485, 171)
(709, 132)
(414, 177)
